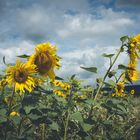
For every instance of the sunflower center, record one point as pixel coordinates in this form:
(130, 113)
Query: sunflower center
(20, 76)
(43, 62)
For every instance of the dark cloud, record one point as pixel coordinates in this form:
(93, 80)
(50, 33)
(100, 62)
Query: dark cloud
(128, 3)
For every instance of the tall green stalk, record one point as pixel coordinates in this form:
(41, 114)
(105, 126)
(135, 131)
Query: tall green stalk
(8, 112)
(66, 125)
(43, 132)
(104, 78)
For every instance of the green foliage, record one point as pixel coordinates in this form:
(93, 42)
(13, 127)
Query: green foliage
(44, 115)
(123, 67)
(23, 56)
(124, 39)
(108, 55)
(90, 69)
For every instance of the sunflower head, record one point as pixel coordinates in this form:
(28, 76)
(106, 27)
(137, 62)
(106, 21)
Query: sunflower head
(21, 77)
(136, 39)
(132, 91)
(60, 93)
(119, 89)
(13, 114)
(45, 59)
(133, 73)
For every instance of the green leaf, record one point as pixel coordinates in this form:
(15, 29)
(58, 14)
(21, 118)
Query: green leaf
(124, 38)
(89, 101)
(73, 76)
(111, 73)
(108, 55)
(123, 67)
(108, 122)
(86, 126)
(58, 78)
(122, 108)
(90, 69)
(16, 119)
(34, 116)
(112, 83)
(54, 126)
(4, 60)
(77, 116)
(3, 119)
(2, 112)
(115, 101)
(28, 109)
(23, 56)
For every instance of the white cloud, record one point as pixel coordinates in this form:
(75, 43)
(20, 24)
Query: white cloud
(82, 32)
(11, 52)
(88, 57)
(88, 26)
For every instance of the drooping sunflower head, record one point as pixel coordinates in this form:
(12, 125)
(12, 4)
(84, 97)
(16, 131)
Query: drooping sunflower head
(45, 59)
(133, 72)
(135, 41)
(20, 75)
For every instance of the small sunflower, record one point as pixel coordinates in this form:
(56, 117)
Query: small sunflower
(119, 89)
(132, 91)
(60, 93)
(45, 59)
(13, 114)
(21, 77)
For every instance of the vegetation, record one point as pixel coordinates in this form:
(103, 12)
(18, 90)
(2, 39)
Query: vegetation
(35, 104)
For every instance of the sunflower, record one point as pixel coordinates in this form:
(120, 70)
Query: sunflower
(133, 74)
(133, 51)
(136, 38)
(119, 89)
(13, 114)
(45, 59)
(21, 77)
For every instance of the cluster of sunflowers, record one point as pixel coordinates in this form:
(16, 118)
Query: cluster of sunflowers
(63, 90)
(133, 50)
(26, 76)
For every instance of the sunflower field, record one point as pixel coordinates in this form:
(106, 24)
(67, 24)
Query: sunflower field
(35, 104)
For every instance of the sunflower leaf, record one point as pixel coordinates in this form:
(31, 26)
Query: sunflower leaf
(4, 60)
(23, 56)
(90, 69)
(124, 38)
(111, 73)
(73, 76)
(123, 67)
(58, 78)
(108, 55)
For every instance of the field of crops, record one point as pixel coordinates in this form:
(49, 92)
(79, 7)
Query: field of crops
(36, 104)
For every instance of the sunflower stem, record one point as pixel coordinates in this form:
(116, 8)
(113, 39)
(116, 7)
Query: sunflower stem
(43, 131)
(8, 113)
(66, 125)
(104, 78)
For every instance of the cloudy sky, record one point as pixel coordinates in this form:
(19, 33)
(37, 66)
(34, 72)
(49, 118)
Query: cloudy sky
(81, 29)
